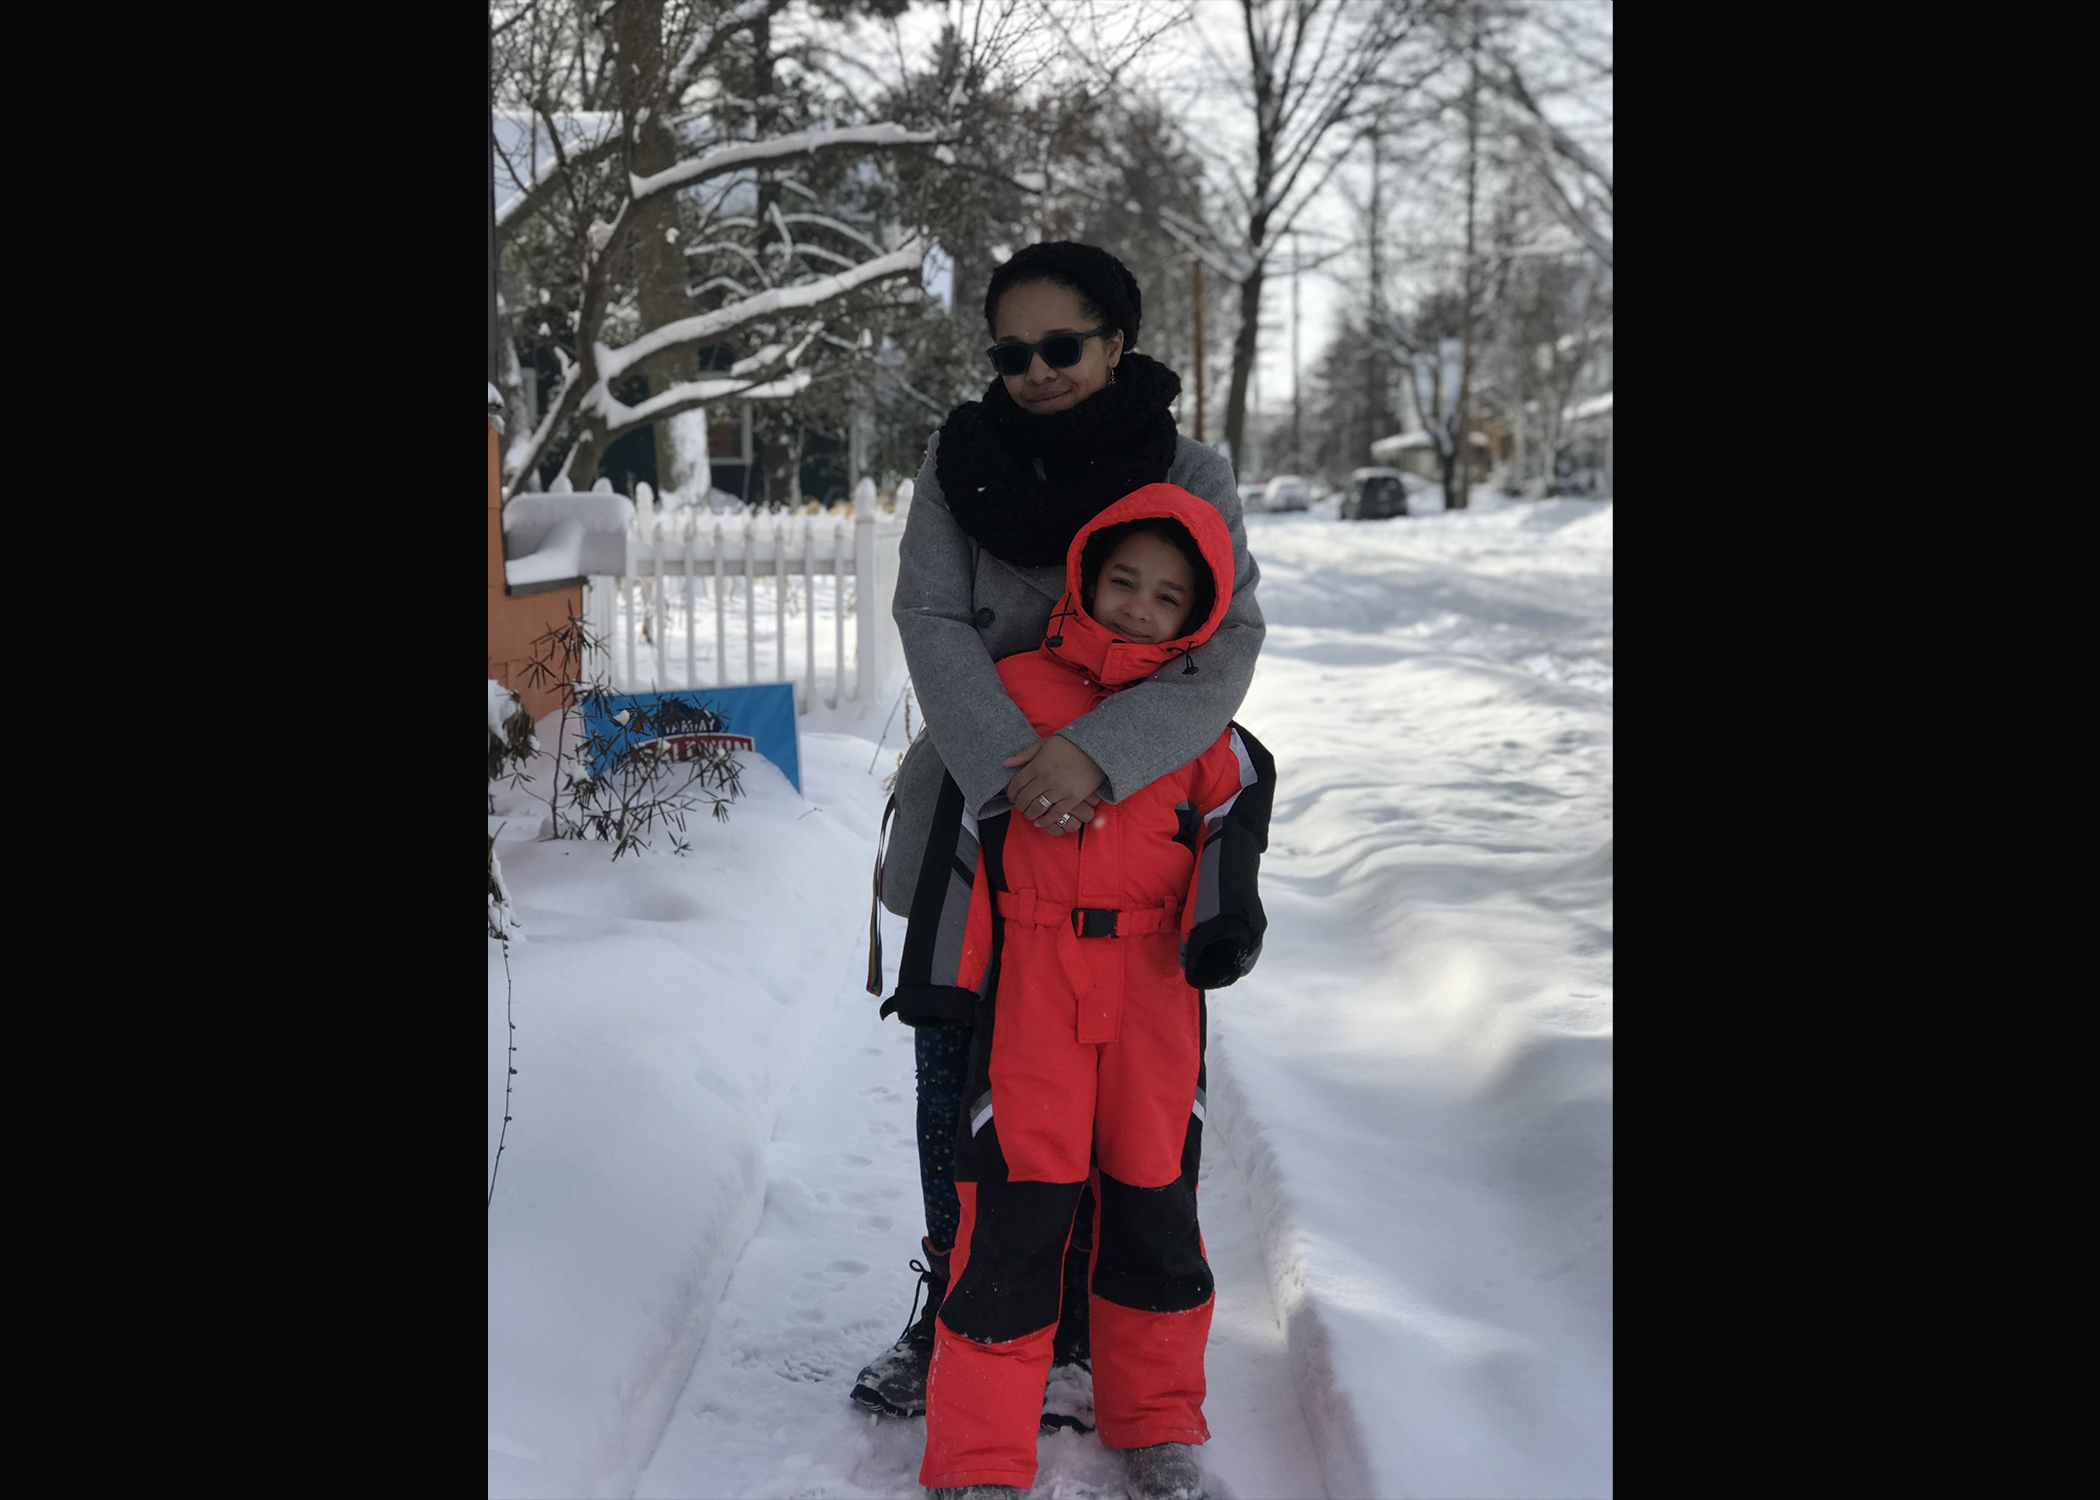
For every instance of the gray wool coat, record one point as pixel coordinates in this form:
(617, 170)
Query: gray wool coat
(959, 609)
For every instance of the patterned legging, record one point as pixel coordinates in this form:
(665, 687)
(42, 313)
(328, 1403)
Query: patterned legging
(943, 1049)
(943, 1052)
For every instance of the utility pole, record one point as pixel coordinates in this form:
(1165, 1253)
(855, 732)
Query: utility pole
(1198, 272)
(1465, 368)
(1197, 268)
(1297, 369)
(1375, 334)
(492, 211)
(1252, 437)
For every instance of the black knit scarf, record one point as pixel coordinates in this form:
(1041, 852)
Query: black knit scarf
(1093, 454)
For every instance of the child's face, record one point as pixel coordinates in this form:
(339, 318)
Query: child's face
(1144, 590)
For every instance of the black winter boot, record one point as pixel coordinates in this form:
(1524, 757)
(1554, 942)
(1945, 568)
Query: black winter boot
(1068, 1395)
(894, 1382)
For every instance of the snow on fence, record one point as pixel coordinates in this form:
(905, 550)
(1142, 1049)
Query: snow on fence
(708, 600)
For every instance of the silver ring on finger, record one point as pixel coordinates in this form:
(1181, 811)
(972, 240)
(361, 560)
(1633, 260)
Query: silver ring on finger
(1061, 822)
(1045, 803)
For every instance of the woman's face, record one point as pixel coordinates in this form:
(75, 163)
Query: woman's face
(1030, 313)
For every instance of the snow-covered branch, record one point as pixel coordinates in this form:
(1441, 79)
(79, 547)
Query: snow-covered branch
(687, 394)
(531, 197)
(685, 332)
(688, 66)
(526, 447)
(825, 222)
(756, 153)
(522, 462)
(730, 247)
(821, 253)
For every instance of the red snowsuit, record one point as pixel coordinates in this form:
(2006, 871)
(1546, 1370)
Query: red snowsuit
(1088, 1058)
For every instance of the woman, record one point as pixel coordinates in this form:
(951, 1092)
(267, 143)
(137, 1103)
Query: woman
(1075, 421)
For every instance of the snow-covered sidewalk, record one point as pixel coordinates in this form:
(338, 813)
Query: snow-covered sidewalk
(824, 1286)
(664, 1007)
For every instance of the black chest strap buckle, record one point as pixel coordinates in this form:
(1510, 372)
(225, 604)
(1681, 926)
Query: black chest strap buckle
(1094, 921)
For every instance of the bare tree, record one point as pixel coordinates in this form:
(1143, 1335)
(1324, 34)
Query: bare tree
(1576, 181)
(1306, 79)
(1485, 211)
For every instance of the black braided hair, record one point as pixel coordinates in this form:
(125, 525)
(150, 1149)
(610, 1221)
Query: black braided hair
(1104, 284)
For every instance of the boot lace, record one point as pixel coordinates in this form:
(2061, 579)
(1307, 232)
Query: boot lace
(911, 1323)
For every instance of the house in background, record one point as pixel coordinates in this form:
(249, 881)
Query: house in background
(1582, 462)
(1584, 465)
(1415, 453)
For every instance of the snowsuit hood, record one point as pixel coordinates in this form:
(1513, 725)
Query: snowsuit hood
(1079, 640)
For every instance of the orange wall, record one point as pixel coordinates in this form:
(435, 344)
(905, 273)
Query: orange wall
(514, 623)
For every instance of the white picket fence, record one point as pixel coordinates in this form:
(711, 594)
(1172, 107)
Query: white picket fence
(693, 607)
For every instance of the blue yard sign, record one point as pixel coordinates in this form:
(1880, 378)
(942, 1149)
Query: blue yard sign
(759, 718)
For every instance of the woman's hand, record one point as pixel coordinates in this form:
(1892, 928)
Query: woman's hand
(1059, 771)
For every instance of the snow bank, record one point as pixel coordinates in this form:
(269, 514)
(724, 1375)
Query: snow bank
(663, 1006)
(1417, 1080)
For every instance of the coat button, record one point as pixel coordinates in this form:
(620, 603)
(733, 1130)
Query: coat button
(985, 617)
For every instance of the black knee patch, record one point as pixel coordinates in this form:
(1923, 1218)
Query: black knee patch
(1151, 1256)
(1017, 1254)
(1083, 1220)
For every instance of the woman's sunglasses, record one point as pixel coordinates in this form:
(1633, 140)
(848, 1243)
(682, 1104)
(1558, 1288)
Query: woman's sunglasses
(1060, 351)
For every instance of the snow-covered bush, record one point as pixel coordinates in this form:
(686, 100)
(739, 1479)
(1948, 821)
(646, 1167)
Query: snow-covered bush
(510, 732)
(511, 744)
(643, 787)
(622, 782)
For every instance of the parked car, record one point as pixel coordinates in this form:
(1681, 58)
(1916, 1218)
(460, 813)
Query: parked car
(1251, 498)
(1374, 494)
(1287, 492)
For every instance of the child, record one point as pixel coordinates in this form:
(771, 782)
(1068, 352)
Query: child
(1089, 953)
